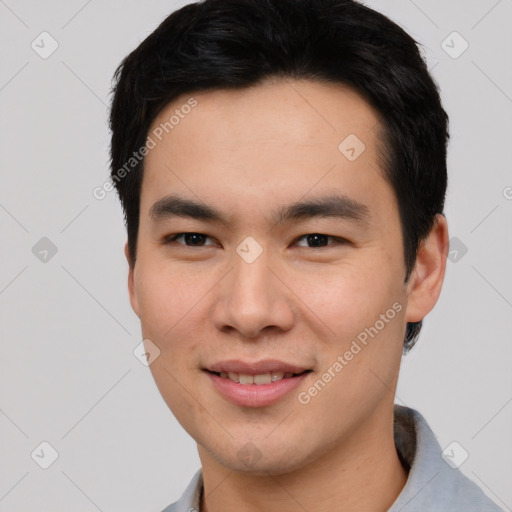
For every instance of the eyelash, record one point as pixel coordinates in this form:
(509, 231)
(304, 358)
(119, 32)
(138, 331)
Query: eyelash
(172, 238)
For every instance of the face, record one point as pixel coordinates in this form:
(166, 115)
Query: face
(288, 266)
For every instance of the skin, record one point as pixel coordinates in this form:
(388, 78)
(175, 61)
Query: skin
(245, 153)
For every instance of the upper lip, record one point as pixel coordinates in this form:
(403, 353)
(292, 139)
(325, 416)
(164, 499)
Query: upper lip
(255, 368)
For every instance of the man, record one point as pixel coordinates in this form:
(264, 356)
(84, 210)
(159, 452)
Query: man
(282, 169)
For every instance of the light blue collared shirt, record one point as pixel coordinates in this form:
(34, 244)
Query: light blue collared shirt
(432, 485)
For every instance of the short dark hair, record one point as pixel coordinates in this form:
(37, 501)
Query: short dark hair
(220, 44)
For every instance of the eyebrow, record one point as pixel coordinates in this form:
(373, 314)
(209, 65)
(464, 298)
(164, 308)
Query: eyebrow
(333, 205)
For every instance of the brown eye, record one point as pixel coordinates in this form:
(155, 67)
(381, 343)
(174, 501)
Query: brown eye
(319, 240)
(188, 239)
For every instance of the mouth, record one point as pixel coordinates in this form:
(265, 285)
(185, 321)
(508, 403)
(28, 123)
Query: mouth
(260, 379)
(258, 372)
(256, 384)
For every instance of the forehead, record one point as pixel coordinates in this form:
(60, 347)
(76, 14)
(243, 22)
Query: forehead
(279, 140)
(293, 110)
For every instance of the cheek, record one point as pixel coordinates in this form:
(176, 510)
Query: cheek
(349, 299)
(160, 305)
(171, 306)
(163, 294)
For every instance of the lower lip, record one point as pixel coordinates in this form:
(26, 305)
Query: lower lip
(255, 395)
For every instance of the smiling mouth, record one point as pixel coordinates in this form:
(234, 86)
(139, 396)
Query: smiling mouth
(259, 379)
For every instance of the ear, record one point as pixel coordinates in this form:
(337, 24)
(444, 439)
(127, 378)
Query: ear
(131, 286)
(426, 280)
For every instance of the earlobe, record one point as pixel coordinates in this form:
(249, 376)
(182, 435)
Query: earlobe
(131, 283)
(426, 280)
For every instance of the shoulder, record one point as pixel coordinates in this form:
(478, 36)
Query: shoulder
(433, 483)
(190, 499)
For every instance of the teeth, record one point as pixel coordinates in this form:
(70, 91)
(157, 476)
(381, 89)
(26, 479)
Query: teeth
(233, 376)
(246, 379)
(276, 376)
(264, 378)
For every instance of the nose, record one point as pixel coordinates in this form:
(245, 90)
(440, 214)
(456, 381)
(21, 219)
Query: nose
(254, 298)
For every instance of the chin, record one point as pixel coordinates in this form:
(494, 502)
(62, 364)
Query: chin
(260, 458)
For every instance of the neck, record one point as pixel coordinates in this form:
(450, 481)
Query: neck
(360, 473)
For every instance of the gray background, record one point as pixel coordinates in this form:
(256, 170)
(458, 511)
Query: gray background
(68, 373)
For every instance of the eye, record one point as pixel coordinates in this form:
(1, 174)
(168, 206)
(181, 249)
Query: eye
(319, 240)
(189, 239)
(312, 240)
